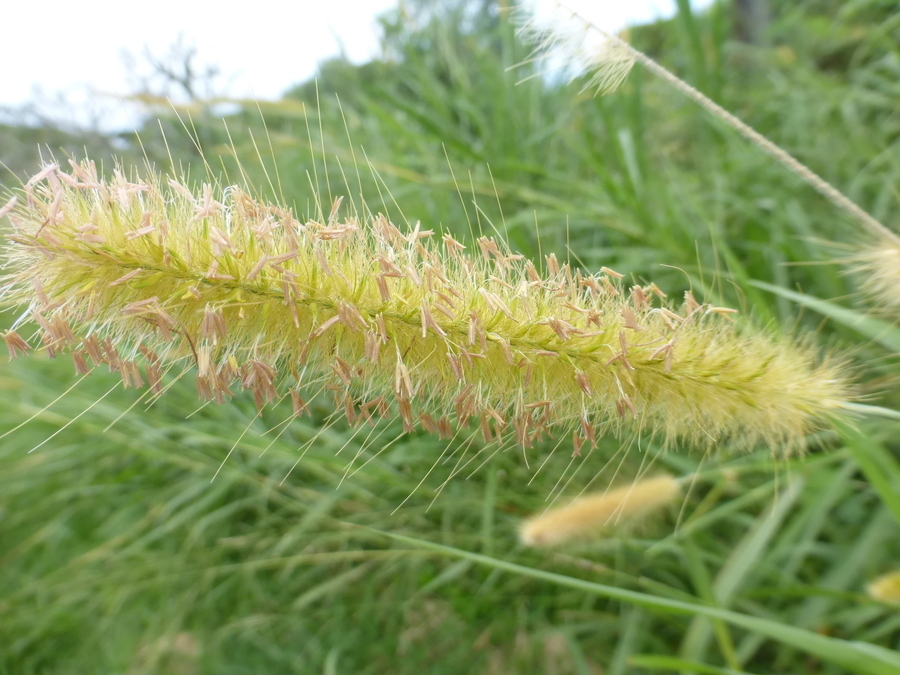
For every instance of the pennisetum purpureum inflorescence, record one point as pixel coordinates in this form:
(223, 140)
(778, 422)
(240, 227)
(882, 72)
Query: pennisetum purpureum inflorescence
(148, 277)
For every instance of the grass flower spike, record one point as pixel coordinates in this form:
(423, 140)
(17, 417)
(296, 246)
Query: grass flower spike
(148, 277)
(590, 515)
(886, 588)
(879, 268)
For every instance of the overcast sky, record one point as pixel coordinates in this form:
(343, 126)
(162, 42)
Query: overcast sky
(75, 48)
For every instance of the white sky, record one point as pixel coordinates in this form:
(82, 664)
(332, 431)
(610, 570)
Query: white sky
(74, 48)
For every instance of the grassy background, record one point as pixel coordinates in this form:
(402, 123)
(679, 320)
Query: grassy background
(118, 555)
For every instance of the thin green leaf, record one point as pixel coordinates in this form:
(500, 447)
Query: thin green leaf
(855, 657)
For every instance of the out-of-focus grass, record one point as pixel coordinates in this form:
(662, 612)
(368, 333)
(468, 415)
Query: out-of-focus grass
(118, 554)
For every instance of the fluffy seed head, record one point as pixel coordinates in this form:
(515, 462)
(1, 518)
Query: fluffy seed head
(879, 268)
(590, 515)
(150, 273)
(886, 588)
(562, 39)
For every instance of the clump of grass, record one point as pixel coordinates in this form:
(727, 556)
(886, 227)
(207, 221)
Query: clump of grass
(591, 514)
(148, 273)
(607, 60)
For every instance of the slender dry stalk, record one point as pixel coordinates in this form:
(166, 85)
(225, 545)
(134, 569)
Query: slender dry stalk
(590, 515)
(149, 273)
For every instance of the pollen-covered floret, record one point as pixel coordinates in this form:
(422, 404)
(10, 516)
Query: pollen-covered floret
(149, 276)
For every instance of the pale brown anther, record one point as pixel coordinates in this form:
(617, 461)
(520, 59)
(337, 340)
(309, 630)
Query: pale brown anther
(412, 274)
(428, 322)
(131, 375)
(506, 349)
(8, 207)
(381, 328)
(428, 423)
(154, 378)
(563, 329)
(638, 297)
(520, 425)
(259, 377)
(455, 366)
(125, 278)
(629, 319)
(207, 207)
(488, 248)
(453, 247)
(445, 430)
(15, 344)
(406, 414)
(471, 356)
(402, 382)
(323, 261)
(213, 273)
(464, 405)
(593, 317)
(666, 352)
(213, 326)
(653, 288)
(257, 268)
(335, 207)
(474, 328)
(496, 304)
(671, 319)
(350, 410)
(375, 405)
(585, 383)
(608, 287)
(324, 326)
(372, 346)
(722, 311)
(611, 272)
(92, 347)
(446, 311)
(577, 443)
(111, 356)
(690, 302)
(351, 317)
(383, 290)
(142, 231)
(552, 265)
(486, 428)
(625, 404)
(342, 370)
(587, 430)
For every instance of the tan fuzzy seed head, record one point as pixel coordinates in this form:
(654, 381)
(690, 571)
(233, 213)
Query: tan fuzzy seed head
(886, 588)
(592, 514)
(879, 268)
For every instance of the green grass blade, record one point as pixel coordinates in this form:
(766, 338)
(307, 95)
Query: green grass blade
(855, 657)
(875, 329)
(670, 663)
(880, 468)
